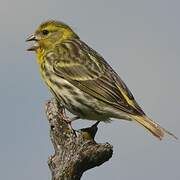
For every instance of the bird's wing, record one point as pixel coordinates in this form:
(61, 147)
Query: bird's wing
(89, 72)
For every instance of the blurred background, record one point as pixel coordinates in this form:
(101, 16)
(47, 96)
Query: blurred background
(140, 40)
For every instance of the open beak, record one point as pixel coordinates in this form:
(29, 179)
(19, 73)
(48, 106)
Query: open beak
(35, 45)
(31, 38)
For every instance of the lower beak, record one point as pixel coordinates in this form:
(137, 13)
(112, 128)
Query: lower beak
(35, 46)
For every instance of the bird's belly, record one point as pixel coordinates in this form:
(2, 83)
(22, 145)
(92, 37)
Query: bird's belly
(75, 100)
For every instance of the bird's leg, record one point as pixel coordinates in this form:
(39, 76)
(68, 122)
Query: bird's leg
(69, 120)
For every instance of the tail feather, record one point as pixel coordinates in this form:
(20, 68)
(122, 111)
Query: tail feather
(153, 127)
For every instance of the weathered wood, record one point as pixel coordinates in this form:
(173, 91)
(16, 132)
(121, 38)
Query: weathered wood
(75, 151)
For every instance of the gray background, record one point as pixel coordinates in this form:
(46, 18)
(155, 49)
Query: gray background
(139, 38)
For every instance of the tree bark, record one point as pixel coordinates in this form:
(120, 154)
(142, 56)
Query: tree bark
(75, 151)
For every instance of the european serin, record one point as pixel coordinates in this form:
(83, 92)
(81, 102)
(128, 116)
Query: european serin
(82, 80)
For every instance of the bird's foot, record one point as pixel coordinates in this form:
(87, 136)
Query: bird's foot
(70, 120)
(67, 119)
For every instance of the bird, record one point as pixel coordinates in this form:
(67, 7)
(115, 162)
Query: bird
(83, 81)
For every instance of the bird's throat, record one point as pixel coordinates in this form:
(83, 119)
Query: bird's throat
(40, 55)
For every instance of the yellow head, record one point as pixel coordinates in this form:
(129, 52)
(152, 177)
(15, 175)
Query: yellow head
(49, 33)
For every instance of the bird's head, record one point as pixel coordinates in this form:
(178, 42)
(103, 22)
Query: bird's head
(49, 34)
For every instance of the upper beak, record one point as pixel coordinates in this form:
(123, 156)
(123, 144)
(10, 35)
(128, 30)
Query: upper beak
(31, 38)
(35, 46)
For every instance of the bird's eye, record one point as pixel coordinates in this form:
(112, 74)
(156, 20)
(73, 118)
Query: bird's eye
(45, 32)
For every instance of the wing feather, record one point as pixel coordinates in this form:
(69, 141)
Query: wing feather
(89, 72)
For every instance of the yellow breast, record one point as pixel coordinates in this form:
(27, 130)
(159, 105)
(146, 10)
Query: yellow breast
(40, 56)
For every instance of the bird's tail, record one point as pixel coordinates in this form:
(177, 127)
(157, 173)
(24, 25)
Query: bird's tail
(152, 126)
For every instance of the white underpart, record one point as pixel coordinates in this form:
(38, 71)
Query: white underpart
(92, 108)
